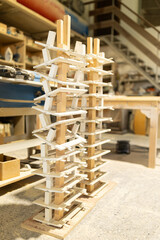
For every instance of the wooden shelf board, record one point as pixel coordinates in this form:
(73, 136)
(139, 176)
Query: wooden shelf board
(76, 208)
(21, 81)
(69, 168)
(98, 142)
(29, 64)
(68, 201)
(8, 112)
(18, 145)
(68, 185)
(98, 154)
(8, 38)
(97, 178)
(11, 63)
(22, 176)
(33, 48)
(27, 20)
(98, 165)
(61, 233)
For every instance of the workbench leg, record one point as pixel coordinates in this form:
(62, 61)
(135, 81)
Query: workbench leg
(153, 138)
(30, 126)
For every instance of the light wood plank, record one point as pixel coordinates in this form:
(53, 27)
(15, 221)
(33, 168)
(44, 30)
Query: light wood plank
(153, 138)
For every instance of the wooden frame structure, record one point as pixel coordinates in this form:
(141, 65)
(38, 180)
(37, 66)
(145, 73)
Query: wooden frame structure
(58, 150)
(67, 169)
(94, 122)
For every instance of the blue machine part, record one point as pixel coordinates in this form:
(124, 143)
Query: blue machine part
(9, 91)
(36, 77)
(77, 24)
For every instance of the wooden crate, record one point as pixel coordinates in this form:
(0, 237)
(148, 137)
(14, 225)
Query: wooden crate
(9, 167)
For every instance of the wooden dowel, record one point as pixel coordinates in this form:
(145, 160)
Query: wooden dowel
(96, 45)
(89, 45)
(59, 33)
(61, 107)
(66, 31)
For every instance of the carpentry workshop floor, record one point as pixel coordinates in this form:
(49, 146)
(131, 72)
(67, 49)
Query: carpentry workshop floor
(130, 211)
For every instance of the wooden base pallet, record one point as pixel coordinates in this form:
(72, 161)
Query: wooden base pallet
(88, 203)
(98, 190)
(22, 176)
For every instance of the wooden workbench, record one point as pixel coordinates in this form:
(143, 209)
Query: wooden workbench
(149, 106)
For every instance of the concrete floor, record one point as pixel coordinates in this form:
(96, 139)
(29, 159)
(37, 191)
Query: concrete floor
(130, 211)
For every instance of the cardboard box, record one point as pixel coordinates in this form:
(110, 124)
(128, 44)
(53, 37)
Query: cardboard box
(140, 123)
(3, 27)
(9, 167)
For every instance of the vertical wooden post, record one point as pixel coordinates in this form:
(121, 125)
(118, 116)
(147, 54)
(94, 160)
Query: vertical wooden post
(96, 45)
(62, 168)
(153, 138)
(59, 33)
(92, 112)
(113, 76)
(66, 31)
(89, 45)
(63, 36)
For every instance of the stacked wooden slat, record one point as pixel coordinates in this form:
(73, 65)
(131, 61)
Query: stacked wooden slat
(93, 128)
(70, 163)
(61, 147)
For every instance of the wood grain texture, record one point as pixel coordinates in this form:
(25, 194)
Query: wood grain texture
(61, 233)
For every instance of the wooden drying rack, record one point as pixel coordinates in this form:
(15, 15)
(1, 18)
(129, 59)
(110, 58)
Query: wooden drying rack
(95, 188)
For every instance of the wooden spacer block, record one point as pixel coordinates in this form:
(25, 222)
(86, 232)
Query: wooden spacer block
(74, 103)
(83, 102)
(48, 197)
(48, 103)
(79, 76)
(51, 38)
(51, 135)
(46, 86)
(46, 55)
(53, 71)
(44, 150)
(44, 119)
(78, 47)
(83, 127)
(49, 182)
(75, 127)
(48, 214)
(46, 167)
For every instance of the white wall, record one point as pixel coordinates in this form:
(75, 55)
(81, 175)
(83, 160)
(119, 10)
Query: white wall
(134, 6)
(123, 67)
